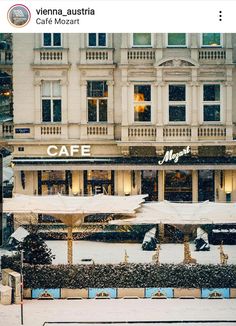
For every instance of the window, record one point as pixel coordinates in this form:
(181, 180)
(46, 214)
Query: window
(177, 103)
(142, 103)
(97, 39)
(142, 39)
(211, 39)
(177, 39)
(211, 102)
(51, 101)
(52, 39)
(97, 94)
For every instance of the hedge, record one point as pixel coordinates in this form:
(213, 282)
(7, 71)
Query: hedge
(125, 275)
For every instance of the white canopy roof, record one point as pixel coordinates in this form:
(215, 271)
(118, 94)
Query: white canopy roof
(66, 205)
(183, 213)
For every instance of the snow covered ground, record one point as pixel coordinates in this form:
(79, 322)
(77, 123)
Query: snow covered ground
(103, 253)
(38, 312)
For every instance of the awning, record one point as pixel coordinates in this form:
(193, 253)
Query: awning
(123, 163)
(182, 213)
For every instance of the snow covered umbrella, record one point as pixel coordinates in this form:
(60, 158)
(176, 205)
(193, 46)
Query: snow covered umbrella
(72, 210)
(184, 216)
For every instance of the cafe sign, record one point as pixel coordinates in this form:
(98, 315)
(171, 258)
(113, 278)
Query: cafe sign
(54, 150)
(170, 156)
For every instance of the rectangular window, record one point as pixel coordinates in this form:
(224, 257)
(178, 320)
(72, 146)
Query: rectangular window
(97, 39)
(51, 101)
(177, 39)
(97, 96)
(142, 103)
(52, 39)
(211, 39)
(177, 103)
(211, 102)
(142, 39)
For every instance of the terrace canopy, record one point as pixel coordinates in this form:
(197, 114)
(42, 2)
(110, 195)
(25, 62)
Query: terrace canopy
(72, 210)
(166, 212)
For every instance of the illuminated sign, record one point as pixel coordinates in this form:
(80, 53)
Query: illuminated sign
(170, 156)
(54, 150)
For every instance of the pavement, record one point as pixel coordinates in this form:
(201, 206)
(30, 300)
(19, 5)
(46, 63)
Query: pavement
(122, 312)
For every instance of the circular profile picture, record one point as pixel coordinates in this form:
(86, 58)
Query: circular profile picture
(18, 15)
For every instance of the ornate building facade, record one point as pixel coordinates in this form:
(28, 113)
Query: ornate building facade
(125, 114)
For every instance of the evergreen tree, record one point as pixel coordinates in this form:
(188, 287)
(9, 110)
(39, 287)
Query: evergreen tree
(35, 250)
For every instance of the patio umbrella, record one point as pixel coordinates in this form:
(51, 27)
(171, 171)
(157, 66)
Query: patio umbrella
(72, 210)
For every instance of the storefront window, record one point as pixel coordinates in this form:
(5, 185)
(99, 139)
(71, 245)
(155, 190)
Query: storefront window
(142, 39)
(177, 103)
(98, 181)
(149, 182)
(206, 185)
(53, 182)
(142, 103)
(211, 102)
(177, 39)
(178, 185)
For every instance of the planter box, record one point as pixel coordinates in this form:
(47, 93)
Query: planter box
(217, 293)
(130, 292)
(159, 293)
(109, 293)
(232, 293)
(186, 293)
(27, 294)
(46, 293)
(74, 293)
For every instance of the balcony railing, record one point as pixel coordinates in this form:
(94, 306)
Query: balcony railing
(212, 132)
(172, 133)
(142, 133)
(138, 56)
(212, 56)
(5, 57)
(6, 130)
(51, 56)
(99, 131)
(96, 56)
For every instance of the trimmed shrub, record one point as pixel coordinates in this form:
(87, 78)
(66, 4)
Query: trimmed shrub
(126, 275)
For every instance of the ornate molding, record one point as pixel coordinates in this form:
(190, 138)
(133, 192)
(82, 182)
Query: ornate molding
(83, 83)
(110, 83)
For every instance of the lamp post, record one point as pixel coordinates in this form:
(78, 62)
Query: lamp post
(21, 286)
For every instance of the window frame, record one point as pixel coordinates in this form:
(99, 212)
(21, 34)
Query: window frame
(51, 46)
(212, 103)
(97, 98)
(178, 46)
(211, 46)
(134, 103)
(141, 46)
(51, 98)
(177, 103)
(97, 46)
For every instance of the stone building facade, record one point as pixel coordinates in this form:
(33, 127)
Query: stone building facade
(129, 100)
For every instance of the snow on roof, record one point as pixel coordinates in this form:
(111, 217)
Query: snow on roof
(19, 234)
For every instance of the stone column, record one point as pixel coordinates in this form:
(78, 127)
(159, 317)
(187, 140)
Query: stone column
(195, 186)
(125, 107)
(161, 185)
(83, 109)
(110, 109)
(159, 116)
(195, 107)
(228, 113)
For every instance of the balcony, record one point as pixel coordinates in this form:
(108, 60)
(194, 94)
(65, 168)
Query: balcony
(5, 57)
(50, 56)
(96, 56)
(173, 133)
(139, 133)
(212, 56)
(6, 130)
(212, 133)
(138, 56)
(98, 131)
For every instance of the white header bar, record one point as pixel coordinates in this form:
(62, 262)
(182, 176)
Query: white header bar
(117, 16)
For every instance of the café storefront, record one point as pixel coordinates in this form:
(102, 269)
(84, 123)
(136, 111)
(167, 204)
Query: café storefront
(179, 178)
